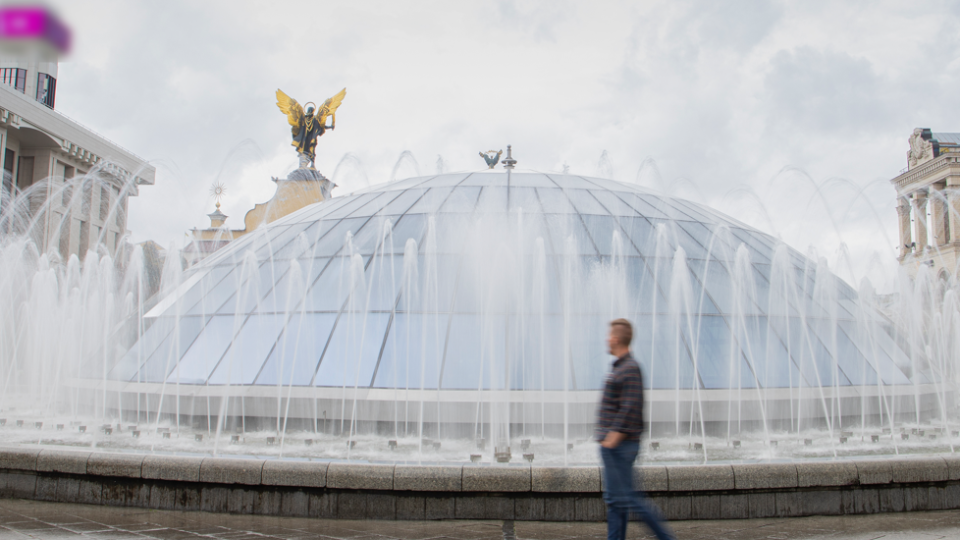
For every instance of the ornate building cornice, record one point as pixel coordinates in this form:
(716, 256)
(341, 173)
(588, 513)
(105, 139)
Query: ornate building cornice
(927, 173)
(9, 119)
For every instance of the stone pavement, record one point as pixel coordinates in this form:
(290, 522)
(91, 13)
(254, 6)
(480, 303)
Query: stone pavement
(21, 519)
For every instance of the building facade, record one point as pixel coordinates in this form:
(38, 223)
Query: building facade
(63, 184)
(203, 242)
(928, 204)
(301, 188)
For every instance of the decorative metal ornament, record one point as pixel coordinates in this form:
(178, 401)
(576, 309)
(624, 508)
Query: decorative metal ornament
(492, 157)
(217, 190)
(509, 162)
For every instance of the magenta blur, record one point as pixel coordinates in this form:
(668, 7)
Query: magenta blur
(32, 22)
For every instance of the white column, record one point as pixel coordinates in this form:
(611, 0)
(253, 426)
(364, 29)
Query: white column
(938, 218)
(920, 220)
(903, 220)
(953, 208)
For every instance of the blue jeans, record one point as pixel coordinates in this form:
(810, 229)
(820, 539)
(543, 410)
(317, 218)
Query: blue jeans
(622, 498)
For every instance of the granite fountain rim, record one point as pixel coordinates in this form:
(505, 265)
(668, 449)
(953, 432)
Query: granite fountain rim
(472, 477)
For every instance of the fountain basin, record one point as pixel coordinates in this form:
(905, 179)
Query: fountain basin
(713, 412)
(418, 492)
(327, 443)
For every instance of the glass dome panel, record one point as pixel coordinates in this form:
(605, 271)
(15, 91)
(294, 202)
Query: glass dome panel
(402, 203)
(413, 352)
(528, 180)
(332, 242)
(353, 351)
(463, 200)
(585, 202)
(431, 201)
(294, 359)
(554, 201)
(206, 351)
(489, 297)
(525, 199)
(766, 354)
(447, 180)
(493, 199)
(243, 360)
(647, 206)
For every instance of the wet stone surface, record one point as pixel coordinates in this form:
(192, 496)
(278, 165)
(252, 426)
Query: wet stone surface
(31, 519)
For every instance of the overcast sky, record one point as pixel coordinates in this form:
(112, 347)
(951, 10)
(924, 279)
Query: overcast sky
(791, 116)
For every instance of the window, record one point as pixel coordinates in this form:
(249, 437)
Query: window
(16, 78)
(46, 89)
(8, 158)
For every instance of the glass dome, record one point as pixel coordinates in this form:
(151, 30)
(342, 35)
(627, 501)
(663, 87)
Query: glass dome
(461, 284)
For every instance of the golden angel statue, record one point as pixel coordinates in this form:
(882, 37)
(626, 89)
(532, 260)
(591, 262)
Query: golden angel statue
(307, 127)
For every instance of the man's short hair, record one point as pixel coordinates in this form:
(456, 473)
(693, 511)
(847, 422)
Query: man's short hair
(623, 330)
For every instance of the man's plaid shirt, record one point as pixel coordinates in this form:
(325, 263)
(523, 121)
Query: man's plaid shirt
(621, 408)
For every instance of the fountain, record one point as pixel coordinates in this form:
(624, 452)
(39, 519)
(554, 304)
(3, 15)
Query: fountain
(464, 307)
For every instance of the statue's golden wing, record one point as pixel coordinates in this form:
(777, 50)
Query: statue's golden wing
(329, 108)
(291, 108)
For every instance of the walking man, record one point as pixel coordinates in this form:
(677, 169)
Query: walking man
(619, 427)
